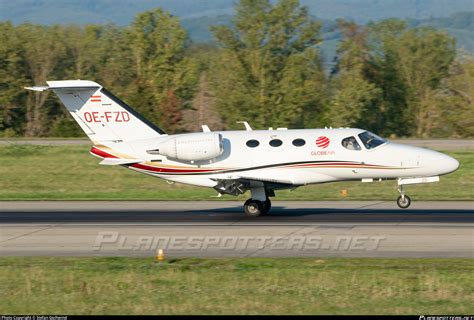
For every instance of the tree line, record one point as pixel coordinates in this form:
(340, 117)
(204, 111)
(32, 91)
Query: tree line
(265, 68)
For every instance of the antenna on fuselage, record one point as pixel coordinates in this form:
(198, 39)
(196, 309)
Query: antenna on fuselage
(246, 124)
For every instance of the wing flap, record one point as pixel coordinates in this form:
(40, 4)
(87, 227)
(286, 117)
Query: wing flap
(265, 179)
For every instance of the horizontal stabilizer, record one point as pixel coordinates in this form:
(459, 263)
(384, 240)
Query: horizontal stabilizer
(37, 88)
(118, 161)
(66, 85)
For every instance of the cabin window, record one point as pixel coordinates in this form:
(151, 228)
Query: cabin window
(350, 143)
(276, 142)
(252, 143)
(371, 140)
(299, 142)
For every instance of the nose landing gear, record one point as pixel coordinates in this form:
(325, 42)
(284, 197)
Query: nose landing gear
(403, 200)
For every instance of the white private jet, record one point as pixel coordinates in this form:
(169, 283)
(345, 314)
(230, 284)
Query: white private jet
(233, 162)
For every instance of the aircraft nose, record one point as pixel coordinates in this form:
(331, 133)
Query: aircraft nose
(451, 164)
(445, 164)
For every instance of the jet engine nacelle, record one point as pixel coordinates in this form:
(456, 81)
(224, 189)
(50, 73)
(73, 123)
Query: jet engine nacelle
(193, 146)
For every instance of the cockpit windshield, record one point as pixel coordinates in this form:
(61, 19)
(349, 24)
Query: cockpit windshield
(371, 140)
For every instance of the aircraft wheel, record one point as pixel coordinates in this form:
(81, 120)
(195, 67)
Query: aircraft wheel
(254, 208)
(267, 205)
(403, 202)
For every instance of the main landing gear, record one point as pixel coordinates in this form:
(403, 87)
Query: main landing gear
(255, 208)
(259, 204)
(403, 200)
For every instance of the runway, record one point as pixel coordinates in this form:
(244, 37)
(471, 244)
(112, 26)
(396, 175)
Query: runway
(220, 229)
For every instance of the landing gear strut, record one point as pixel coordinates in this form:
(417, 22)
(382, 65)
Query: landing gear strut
(403, 200)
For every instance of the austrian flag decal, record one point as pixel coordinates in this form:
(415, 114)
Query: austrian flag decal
(96, 99)
(322, 142)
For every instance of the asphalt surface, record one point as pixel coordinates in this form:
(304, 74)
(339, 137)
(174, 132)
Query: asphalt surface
(438, 144)
(220, 229)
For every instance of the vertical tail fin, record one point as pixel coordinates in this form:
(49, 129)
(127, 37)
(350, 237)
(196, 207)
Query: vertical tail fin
(102, 116)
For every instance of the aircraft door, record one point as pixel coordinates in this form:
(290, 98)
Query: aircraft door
(353, 152)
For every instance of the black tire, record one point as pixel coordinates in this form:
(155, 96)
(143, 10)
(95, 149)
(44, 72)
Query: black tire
(403, 204)
(267, 206)
(253, 208)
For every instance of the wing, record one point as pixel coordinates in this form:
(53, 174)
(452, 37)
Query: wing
(241, 184)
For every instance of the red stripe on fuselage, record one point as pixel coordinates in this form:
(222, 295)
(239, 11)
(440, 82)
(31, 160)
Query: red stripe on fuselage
(354, 164)
(102, 153)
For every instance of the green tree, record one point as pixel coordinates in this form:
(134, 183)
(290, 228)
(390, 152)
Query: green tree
(424, 59)
(454, 101)
(355, 100)
(12, 78)
(268, 70)
(203, 107)
(83, 49)
(166, 78)
(43, 54)
(388, 77)
(394, 118)
(265, 69)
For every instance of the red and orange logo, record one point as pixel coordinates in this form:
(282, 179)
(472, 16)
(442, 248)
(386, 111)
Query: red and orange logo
(322, 142)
